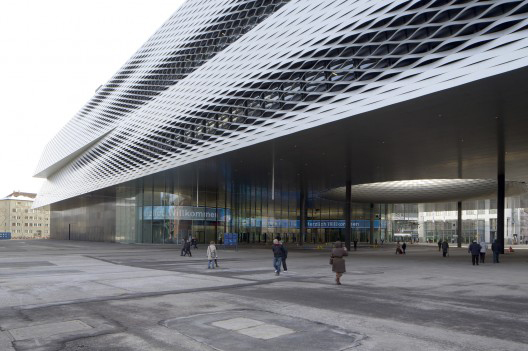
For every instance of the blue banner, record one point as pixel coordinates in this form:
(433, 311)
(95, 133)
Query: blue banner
(230, 239)
(5, 235)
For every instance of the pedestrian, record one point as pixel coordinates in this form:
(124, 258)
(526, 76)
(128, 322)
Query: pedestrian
(404, 246)
(187, 248)
(445, 248)
(483, 249)
(355, 244)
(495, 248)
(211, 255)
(278, 254)
(284, 257)
(337, 261)
(382, 241)
(194, 243)
(440, 244)
(474, 249)
(183, 247)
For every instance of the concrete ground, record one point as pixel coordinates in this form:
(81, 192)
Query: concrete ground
(59, 295)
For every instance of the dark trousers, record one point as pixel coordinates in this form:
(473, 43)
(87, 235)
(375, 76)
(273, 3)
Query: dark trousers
(475, 259)
(482, 257)
(284, 264)
(495, 257)
(183, 251)
(187, 251)
(444, 253)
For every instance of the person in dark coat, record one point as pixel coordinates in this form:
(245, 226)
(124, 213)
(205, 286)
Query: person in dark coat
(284, 257)
(445, 248)
(439, 244)
(355, 244)
(495, 248)
(194, 243)
(337, 261)
(187, 248)
(183, 247)
(278, 254)
(404, 246)
(474, 249)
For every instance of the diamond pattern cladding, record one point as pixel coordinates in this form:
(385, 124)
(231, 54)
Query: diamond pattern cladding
(221, 75)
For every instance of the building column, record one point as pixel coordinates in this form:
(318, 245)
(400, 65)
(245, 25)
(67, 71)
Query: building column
(348, 219)
(459, 224)
(303, 215)
(371, 237)
(501, 183)
(500, 210)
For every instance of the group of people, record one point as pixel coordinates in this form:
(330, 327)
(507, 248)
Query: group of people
(477, 251)
(280, 254)
(186, 246)
(400, 249)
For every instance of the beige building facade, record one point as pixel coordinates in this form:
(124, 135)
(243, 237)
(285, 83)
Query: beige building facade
(18, 218)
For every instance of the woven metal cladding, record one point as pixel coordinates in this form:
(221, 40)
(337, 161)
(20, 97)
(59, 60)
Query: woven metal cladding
(221, 75)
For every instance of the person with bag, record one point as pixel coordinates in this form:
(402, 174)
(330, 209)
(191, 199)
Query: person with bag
(211, 255)
(337, 261)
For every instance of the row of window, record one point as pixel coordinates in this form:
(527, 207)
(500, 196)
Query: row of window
(28, 231)
(17, 224)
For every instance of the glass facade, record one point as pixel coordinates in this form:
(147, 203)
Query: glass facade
(172, 205)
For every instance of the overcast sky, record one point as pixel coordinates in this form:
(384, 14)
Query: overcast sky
(53, 55)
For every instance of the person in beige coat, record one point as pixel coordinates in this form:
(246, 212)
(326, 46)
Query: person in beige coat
(337, 260)
(211, 255)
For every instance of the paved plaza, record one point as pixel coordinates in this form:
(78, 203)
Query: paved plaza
(70, 295)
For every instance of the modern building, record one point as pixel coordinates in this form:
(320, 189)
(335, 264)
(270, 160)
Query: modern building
(18, 220)
(303, 118)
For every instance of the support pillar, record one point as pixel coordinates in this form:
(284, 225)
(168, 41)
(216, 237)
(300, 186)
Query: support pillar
(459, 224)
(371, 236)
(303, 215)
(500, 210)
(348, 219)
(501, 183)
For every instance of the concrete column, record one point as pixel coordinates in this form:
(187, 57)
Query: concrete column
(501, 183)
(348, 231)
(459, 224)
(303, 215)
(371, 237)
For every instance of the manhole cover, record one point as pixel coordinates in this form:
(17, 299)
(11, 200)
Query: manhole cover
(243, 330)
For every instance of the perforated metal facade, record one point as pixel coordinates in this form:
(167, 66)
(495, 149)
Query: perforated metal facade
(221, 75)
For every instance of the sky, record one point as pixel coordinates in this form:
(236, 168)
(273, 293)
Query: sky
(54, 54)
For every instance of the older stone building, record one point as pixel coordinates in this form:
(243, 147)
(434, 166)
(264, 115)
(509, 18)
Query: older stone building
(18, 218)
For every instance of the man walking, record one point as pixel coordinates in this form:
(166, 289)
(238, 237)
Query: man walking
(278, 254)
(474, 249)
(404, 247)
(187, 247)
(355, 244)
(445, 248)
(495, 248)
(439, 244)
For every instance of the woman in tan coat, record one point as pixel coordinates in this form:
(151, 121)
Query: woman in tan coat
(337, 260)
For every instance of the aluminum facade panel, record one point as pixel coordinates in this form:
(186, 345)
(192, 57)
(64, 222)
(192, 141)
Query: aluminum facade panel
(283, 67)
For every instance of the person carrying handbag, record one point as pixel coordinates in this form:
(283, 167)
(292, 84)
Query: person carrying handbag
(337, 261)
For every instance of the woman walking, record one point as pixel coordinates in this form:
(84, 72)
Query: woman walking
(211, 255)
(337, 261)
